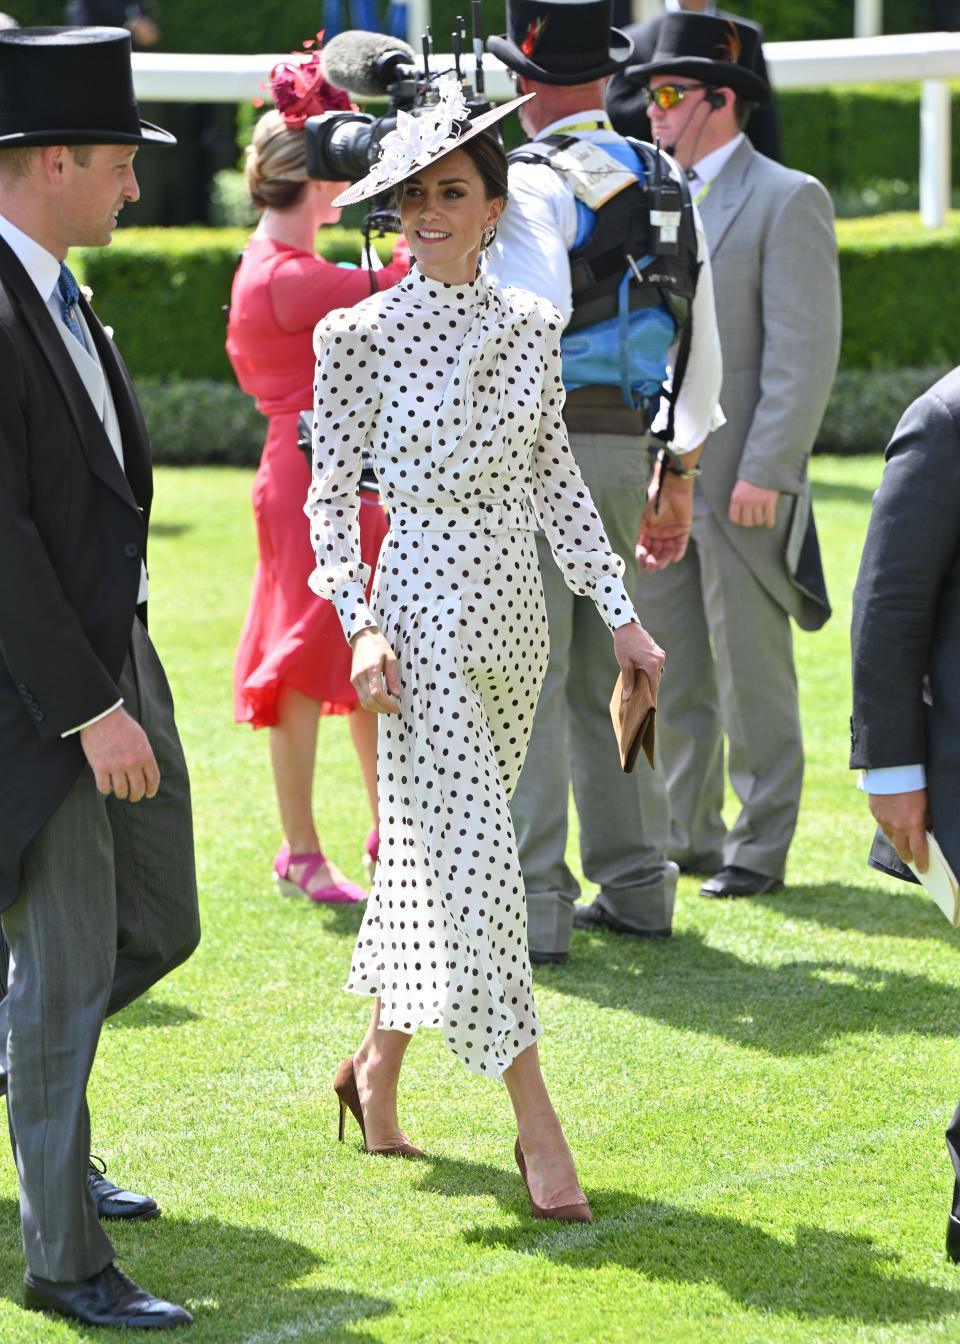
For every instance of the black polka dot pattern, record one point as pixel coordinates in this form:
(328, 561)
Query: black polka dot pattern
(456, 392)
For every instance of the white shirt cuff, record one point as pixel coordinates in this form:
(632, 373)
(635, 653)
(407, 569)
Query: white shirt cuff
(893, 779)
(90, 722)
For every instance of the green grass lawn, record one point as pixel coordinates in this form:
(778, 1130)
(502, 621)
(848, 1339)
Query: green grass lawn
(757, 1106)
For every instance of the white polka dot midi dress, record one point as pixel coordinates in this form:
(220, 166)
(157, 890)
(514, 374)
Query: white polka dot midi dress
(456, 393)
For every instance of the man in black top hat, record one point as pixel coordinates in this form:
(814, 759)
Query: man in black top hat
(564, 52)
(97, 884)
(753, 561)
(625, 102)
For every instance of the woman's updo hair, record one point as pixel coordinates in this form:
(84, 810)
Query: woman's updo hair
(276, 166)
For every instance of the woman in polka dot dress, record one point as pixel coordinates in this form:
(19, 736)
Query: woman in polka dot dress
(454, 387)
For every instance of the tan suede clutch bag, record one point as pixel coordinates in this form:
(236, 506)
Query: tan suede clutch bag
(634, 721)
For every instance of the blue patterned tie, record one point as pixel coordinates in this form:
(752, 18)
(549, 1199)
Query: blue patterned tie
(69, 294)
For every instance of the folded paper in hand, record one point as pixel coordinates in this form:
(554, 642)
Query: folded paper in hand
(940, 881)
(634, 720)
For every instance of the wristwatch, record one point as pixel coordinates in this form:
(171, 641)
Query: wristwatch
(667, 463)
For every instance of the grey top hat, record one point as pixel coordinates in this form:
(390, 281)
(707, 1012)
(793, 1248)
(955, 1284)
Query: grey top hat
(70, 86)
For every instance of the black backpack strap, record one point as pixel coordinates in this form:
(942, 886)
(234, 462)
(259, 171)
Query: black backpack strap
(688, 233)
(679, 371)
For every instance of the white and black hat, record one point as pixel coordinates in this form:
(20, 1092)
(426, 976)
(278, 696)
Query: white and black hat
(423, 137)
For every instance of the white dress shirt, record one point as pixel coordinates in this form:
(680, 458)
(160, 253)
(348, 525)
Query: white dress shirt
(893, 779)
(703, 172)
(44, 270)
(532, 248)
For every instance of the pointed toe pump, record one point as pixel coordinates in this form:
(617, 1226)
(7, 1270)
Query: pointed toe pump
(580, 1212)
(345, 1086)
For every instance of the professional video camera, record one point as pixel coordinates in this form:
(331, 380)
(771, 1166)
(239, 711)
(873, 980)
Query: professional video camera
(343, 146)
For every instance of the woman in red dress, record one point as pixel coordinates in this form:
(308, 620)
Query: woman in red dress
(293, 664)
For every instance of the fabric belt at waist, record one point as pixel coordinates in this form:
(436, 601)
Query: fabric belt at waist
(600, 410)
(483, 516)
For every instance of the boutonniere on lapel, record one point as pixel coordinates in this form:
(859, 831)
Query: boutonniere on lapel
(87, 293)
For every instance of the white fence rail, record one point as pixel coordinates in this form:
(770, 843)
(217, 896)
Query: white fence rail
(930, 58)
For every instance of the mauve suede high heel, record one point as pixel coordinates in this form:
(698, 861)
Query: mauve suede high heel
(345, 1086)
(561, 1213)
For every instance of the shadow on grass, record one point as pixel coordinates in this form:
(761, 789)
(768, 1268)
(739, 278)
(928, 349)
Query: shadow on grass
(235, 1280)
(167, 529)
(149, 1012)
(905, 912)
(821, 1274)
(791, 1008)
(856, 494)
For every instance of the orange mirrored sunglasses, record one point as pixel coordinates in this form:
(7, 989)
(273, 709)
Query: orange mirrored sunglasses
(669, 95)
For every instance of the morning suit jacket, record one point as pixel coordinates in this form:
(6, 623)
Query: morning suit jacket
(625, 96)
(773, 252)
(73, 529)
(906, 617)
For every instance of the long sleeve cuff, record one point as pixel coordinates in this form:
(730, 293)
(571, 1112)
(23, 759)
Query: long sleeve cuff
(613, 603)
(353, 610)
(893, 779)
(90, 722)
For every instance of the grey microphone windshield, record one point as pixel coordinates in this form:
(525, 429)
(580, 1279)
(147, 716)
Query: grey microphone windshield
(366, 63)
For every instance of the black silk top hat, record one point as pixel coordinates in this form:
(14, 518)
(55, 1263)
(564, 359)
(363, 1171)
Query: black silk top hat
(561, 41)
(70, 86)
(714, 51)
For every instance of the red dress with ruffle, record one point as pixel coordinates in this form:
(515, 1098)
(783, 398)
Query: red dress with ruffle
(290, 636)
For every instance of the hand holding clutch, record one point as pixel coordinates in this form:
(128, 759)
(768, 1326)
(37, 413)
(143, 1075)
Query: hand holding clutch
(634, 720)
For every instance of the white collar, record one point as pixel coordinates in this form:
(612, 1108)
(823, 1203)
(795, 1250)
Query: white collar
(674, 7)
(711, 164)
(41, 266)
(576, 120)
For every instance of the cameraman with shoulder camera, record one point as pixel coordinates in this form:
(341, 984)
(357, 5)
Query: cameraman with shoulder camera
(634, 284)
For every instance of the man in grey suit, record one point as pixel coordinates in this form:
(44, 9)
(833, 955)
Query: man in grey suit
(97, 885)
(724, 609)
(905, 727)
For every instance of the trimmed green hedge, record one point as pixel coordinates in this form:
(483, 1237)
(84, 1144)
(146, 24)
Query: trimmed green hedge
(164, 291)
(898, 282)
(199, 422)
(853, 136)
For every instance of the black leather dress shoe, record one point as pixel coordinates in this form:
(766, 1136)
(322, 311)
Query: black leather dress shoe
(109, 1298)
(112, 1202)
(594, 916)
(548, 958)
(953, 1239)
(734, 881)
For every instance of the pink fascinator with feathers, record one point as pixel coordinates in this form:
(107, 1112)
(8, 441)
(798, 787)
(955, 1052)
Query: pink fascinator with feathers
(300, 89)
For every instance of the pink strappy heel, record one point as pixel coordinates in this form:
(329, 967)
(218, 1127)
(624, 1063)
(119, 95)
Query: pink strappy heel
(295, 875)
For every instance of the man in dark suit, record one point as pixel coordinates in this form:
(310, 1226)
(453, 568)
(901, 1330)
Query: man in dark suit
(97, 885)
(627, 110)
(905, 727)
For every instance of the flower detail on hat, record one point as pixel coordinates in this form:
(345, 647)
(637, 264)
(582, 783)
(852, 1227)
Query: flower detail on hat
(300, 89)
(419, 139)
(731, 45)
(534, 33)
